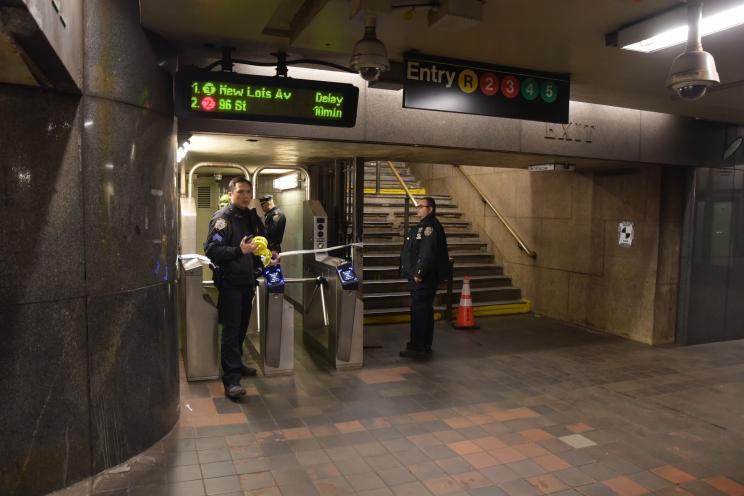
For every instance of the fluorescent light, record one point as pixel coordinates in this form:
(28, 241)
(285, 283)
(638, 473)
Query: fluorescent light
(286, 182)
(182, 151)
(639, 38)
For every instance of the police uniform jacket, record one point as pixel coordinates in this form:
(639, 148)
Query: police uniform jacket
(275, 222)
(425, 254)
(226, 229)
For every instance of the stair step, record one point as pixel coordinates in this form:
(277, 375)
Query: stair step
(383, 272)
(399, 202)
(369, 235)
(401, 196)
(394, 285)
(459, 244)
(497, 294)
(484, 308)
(377, 259)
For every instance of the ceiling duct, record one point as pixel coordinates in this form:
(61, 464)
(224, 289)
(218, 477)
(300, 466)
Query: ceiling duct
(456, 15)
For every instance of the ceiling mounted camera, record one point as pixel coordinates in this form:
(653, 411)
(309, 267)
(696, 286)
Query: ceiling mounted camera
(694, 71)
(369, 58)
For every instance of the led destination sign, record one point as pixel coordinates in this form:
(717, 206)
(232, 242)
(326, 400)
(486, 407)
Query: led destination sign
(221, 95)
(437, 83)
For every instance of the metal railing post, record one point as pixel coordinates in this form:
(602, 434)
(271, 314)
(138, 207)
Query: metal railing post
(377, 177)
(450, 282)
(402, 183)
(406, 213)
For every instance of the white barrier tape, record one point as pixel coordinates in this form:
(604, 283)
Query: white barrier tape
(319, 250)
(192, 260)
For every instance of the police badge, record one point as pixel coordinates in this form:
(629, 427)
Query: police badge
(428, 231)
(220, 224)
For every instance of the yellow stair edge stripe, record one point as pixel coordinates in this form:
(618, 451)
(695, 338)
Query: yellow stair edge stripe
(483, 311)
(509, 309)
(392, 191)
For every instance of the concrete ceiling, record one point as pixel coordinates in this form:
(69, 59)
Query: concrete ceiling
(564, 36)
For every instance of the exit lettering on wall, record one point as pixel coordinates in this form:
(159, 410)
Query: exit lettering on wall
(572, 131)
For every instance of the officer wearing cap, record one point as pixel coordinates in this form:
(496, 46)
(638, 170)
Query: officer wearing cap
(275, 222)
(231, 250)
(424, 261)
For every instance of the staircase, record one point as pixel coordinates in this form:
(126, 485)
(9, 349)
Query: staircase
(386, 295)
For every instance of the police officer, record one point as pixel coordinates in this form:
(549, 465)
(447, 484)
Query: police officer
(275, 222)
(230, 249)
(425, 263)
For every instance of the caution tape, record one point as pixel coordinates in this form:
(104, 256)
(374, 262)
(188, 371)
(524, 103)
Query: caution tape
(318, 250)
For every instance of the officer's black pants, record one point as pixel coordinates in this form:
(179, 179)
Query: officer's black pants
(235, 313)
(422, 315)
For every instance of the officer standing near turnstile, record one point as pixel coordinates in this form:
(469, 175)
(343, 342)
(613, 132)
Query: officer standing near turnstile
(275, 222)
(425, 263)
(231, 250)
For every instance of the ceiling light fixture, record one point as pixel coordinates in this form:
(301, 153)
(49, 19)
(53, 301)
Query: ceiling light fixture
(670, 28)
(369, 57)
(693, 71)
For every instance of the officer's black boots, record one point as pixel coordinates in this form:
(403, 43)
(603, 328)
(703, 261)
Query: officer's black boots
(246, 371)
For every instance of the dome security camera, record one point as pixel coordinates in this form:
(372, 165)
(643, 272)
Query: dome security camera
(694, 71)
(691, 75)
(369, 58)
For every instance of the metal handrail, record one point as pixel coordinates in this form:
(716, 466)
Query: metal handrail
(522, 245)
(400, 180)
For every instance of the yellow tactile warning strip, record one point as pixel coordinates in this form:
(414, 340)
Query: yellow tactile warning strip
(395, 191)
(479, 311)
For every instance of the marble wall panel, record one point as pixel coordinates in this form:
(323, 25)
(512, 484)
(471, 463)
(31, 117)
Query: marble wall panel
(120, 63)
(133, 371)
(44, 427)
(665, 314)
(551, 292)
(388, 122)
(614, 133)
(623, 196)
(130, 196)
(41, 226)
(574, 245)
(668, 139)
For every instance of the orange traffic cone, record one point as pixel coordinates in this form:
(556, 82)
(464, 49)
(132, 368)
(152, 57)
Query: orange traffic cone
(465, 318)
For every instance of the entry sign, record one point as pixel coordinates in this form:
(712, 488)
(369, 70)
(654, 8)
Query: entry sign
(438, 83)
(228, 95)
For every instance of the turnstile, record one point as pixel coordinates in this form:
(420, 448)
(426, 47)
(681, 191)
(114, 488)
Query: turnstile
(270, 337)
(332, 307)
(198, 317)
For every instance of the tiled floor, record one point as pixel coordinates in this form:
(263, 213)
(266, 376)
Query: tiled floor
(523, 407)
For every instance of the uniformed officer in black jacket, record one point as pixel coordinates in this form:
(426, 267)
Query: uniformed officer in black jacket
(424, 261)
(230, 249)
(275, 222)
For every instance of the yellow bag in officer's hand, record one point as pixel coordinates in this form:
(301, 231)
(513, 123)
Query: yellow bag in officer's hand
(262, 249)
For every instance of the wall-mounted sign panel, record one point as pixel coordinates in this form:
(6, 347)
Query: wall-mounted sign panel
(449, 85)
(227, 95)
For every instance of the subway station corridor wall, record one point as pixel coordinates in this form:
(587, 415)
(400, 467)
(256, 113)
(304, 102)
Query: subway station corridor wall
(581, 274)
(89, 356)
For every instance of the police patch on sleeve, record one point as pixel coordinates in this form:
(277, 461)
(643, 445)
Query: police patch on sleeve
(428, 231)
(276, 218)
(220, 224)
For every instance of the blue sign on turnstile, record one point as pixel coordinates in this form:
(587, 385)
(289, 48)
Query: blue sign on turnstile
(274, 279)
(346, 273)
